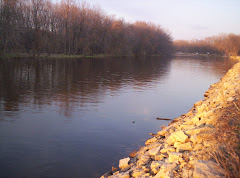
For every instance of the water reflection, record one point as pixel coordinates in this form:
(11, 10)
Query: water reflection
(73, 82)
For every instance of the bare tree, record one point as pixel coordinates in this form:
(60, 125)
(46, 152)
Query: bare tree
(40, 26)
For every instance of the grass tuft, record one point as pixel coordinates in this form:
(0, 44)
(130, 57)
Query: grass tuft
(228, 136)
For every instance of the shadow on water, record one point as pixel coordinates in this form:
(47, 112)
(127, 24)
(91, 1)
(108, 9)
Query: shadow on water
(73, 82)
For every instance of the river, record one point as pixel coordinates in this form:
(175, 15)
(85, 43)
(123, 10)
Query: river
(78, 117)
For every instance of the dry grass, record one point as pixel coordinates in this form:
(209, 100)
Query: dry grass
(228, 137)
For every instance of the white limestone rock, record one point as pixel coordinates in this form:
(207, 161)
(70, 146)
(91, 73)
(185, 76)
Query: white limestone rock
(183, 147)
(154, 151)
(167, 149)
(174, 157)
(121, 175)
(123, 163)
(138, 172)
(166, 170)
(178, 136)
(151, 140)
(155, 164)
(162, 174)
(144, 159)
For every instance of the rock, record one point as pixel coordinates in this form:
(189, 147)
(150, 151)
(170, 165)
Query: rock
(197, 138)
(186, 126)
(178, 136)
(209, 169)
(230, 99)
(176, 144)
(151, 140)
(209, 113)
(198, 147)
(106, 174)
(138, 172)
(183, 147)
(174, 157)
(155, 144)
(161, 156)
(172, 129)
(158, 157)
(193, 139)
(207, 108)
(154, 164)
(168, 174)
(117, 172)
(133, 154)
(198, 103)
(154, 151)
(124, 169)
(121, 175)
(156, 169)
(207, 144)
(124, 162)
(162, 132)
(183, 164)
(166, 170)
(202, 122)
(142, 151)
(147, 175)
(146, 168)
(168, 166)
(201, 109)
(199, 130)
(162, 174)
(195, 120)
(167, 149)
(114, 169)
(144, 159)
(163, 127)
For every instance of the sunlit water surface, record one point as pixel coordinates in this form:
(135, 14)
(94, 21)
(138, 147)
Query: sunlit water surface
(74, 117)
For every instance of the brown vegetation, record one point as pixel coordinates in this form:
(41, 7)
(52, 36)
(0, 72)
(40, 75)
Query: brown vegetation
(228, 135)
(218, 45)
(42, 27)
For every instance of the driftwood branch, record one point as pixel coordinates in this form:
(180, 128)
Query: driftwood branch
(164, 119)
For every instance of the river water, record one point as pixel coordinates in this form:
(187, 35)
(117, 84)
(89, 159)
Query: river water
(78, 117)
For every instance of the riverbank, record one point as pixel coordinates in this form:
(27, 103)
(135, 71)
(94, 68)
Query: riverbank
(55, 56)
(201, 143)
(179, 54)
(65, 56)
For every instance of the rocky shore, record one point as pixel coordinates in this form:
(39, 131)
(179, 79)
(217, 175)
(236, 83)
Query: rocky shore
(186, 147)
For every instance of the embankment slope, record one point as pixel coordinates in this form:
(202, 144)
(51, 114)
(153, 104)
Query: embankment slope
(191, 146)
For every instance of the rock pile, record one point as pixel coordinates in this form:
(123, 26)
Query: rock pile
(183, 148)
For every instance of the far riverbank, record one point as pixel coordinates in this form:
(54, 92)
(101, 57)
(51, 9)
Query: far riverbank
(56, 56)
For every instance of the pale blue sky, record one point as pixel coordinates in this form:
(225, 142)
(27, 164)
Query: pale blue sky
(184, 19)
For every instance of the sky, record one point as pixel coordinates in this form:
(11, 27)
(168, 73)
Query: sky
(183, 19)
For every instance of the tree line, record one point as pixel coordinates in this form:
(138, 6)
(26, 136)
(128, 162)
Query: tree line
(43, 27)
(222, 44)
